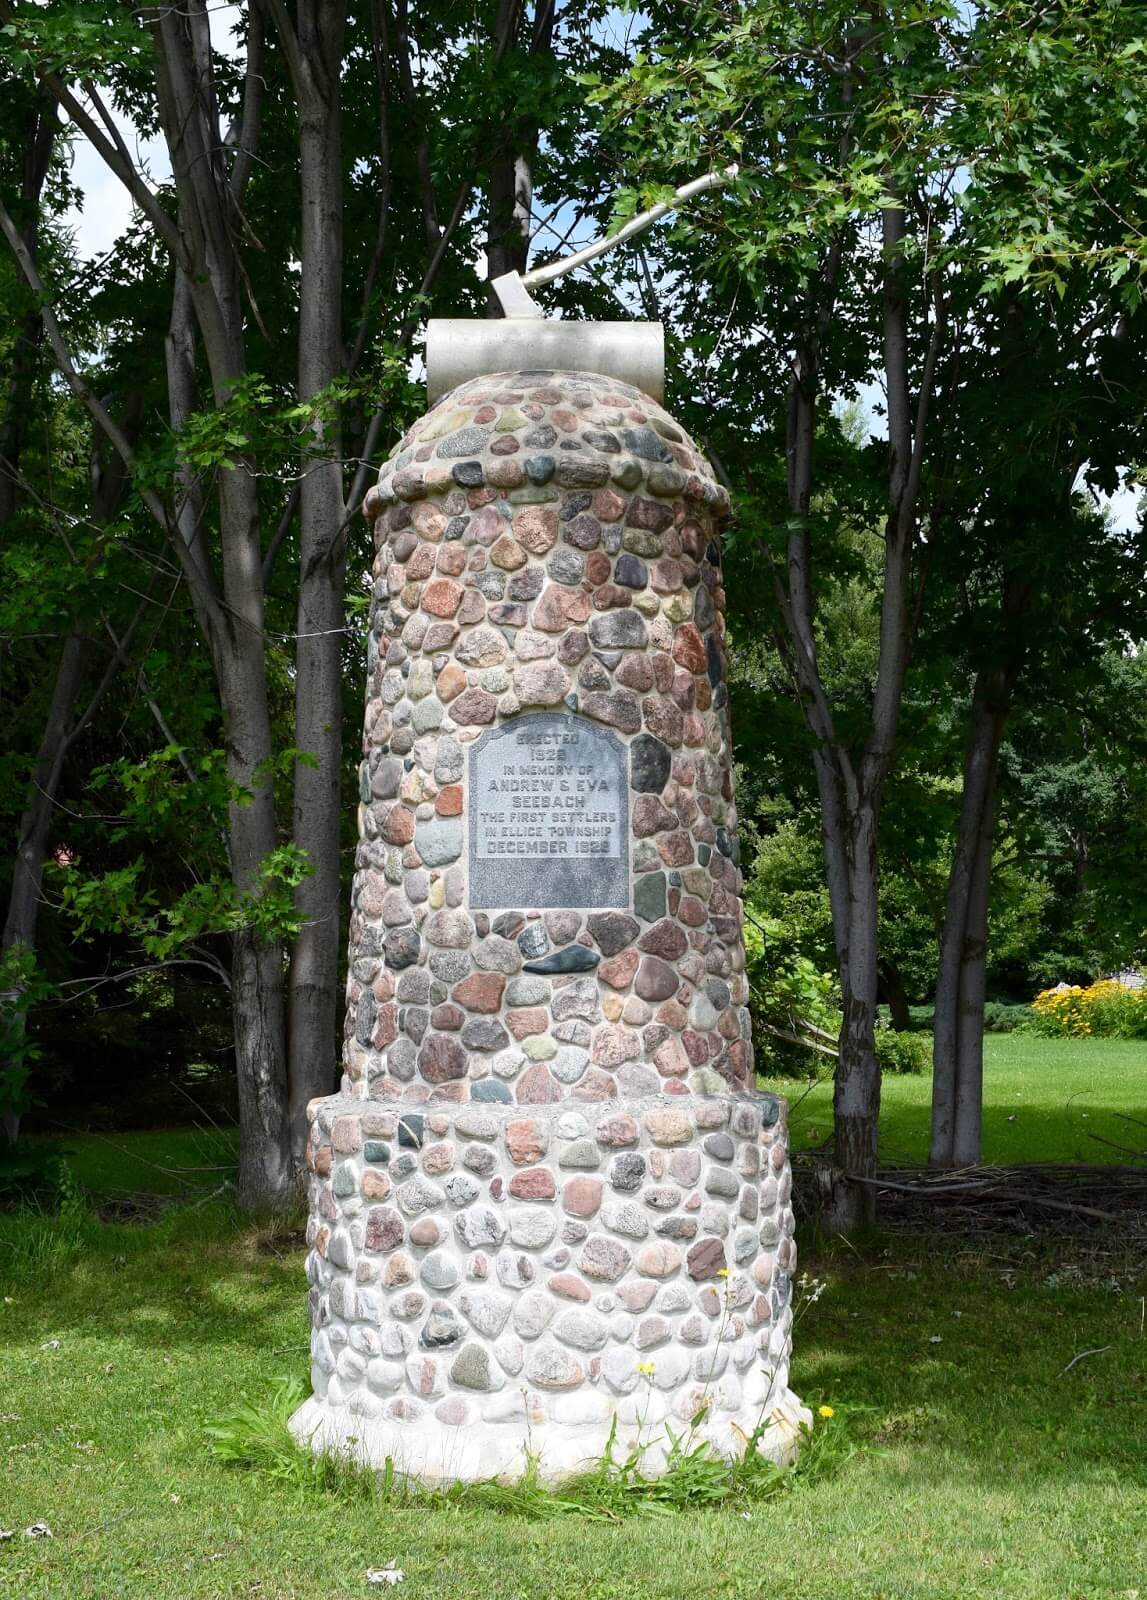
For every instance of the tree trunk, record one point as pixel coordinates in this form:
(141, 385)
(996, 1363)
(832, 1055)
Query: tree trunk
(35, 825)
(510, 197)
(856, 1092)
(315, 58)
(968, 884)
(968, 1129)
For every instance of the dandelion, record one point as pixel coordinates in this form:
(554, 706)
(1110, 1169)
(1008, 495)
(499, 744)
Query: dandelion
(826, 1412)
(723, 1272)
(647, 1368)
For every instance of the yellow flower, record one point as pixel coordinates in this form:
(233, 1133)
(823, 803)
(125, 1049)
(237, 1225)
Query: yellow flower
(647, 1368)
(723, 1272)
(826, 1412)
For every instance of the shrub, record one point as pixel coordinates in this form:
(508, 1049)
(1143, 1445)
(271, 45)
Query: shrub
(999, 1017)
(1104, 1010)
(904, 1053)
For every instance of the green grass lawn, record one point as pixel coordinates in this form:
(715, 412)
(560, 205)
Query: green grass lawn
(1043, 1101)
(983, 1468)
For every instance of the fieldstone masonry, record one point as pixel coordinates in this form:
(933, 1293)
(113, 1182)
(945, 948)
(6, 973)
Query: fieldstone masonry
(546, 1199)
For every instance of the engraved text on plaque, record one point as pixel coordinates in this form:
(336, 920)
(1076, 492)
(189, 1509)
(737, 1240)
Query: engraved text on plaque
(549, 814)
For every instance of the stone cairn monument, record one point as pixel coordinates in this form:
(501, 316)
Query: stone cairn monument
(547, 1202)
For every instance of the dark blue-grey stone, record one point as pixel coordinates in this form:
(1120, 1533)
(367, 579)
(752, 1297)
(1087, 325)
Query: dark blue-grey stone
(573, 505)
(718, 1145)
(456, 527)
(507, 923)
(713, 659)
(704, 854)
(540, 469)
(401, 948)
(702, 608)
(770, 1109)
(713, 553)
(376, 1150)
(724, 841)
(650, 762)
(720, 996)
(602, 439)
(649, 896)
(410, 1129)
(631, 571)
(442, 1328)
(782, 1290)
(574, 958)
(403, 1166)
(468, 474)
(533, 940)
(465, 442)
(491, 1089)
(644, 442)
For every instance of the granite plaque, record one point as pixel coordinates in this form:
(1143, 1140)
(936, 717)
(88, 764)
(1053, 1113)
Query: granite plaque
(549, 814)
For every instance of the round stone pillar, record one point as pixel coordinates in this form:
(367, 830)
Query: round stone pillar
(547, 1200)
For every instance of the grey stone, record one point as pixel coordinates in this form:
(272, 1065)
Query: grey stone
(627, 1171)
(469, 441)
(484, 1033)
(472, 1369)
(585, 1330)
(461, 1189)
(401, 948)
(719, 1180)
(631, 572)
(480, 1225)
(564, 566)
(489, 1090)
(627, 1218)
(532, 1315)
(533, 941)
(532, 1228)
(719, 1146)
(439, 1270)
(486, 1310)
(439, 841)
(619, 630)
(581, 1154)
(527, 991)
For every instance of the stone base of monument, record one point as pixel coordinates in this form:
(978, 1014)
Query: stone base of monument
(492, 1281)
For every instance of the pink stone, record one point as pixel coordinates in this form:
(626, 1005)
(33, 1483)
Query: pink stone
(375, 1185)
(664, 939)
(689, 648)
(474, 708)
(635, 1296)
(617, 1132)
(480, 991)
(536, 1087)
(442, 597)
(685, 1166)
(559, 608)
(568, 1287)
(659, 1260)
(656, 980)
(526, 1140)
(399, 1270)
(536, 1183)
(613, 1044)
(346, 1135)
(536, 527)
(675, 849)
(705, 1259)
(619, 970)
(398, 826)
(595, 1086)
(448, 802)
(524, 1024)
(581, 1195)
(425, 1233)
(604, 1259)
(671, 1059)
(541, 683)
(385, 1229)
